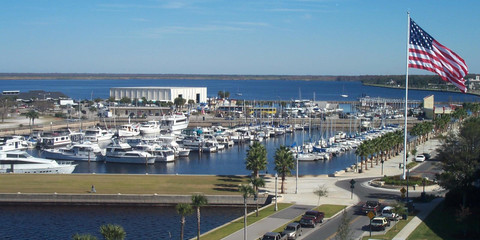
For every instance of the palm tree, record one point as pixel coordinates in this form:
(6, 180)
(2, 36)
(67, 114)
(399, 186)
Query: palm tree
(246, 191)
(256, 158)
(83, 237)
(32, 115)
(112, 232)
(257, 183)
(198, 200)
(183, 209)
(284, 163)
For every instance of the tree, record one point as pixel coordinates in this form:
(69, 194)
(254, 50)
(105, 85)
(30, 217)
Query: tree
(112, 232)
(256, 158)
(321, 191)
(246, 191)
(284, 163)
(32, 115)
(83, 237)
(198, 201)
(344, 232)
(221, 94)
(191, 102)
(414, 153)
(399, 208)
(125, 100)
(183, 209)
(257, 183)
(179, 102)
(459, 155)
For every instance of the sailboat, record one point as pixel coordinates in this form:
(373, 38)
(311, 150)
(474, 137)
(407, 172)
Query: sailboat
(343, 92)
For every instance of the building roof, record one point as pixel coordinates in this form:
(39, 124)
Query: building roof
(151, 87)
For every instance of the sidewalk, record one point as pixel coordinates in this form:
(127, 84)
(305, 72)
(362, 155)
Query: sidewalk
(425, 209)
(339, 196)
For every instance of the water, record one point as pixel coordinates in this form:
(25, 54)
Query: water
(250, 89)
(230, 161)
(62, 222)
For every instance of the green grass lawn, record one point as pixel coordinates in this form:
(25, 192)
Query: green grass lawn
(238, 224)
(442, 224)
(125, 184)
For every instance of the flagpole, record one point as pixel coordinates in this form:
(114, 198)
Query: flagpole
(406, 103)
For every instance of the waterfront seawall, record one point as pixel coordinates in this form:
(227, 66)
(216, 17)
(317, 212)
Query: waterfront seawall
(122, 199)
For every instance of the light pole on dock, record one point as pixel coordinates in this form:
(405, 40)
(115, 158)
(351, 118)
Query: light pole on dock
(296, 176)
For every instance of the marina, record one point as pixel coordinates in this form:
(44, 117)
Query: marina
(305, 135)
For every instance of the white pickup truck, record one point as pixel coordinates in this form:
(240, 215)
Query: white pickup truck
(389, 213)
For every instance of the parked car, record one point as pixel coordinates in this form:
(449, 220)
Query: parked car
(308, 222)
(379, 223)
(316, 214)
(427, 156)
(292, 230)
(273, 236)
(371, 206)
(388, 212)
(311, 218)
(420, 158)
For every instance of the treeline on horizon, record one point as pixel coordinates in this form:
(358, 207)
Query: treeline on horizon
(369, 79)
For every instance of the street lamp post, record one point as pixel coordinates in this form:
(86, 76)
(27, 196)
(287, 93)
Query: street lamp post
(276, 196)
(296, 176)
(382, 166)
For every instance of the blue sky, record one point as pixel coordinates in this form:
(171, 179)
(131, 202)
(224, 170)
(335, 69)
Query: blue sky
(302, 37)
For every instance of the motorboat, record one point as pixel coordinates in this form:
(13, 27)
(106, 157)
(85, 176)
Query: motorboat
(86, 151)
(55, 139)
(22, 162)
(163, 154)
(128, 130)
(10, 143)
(97, 135)
(174, 123)
(150, 127)
(119, 152)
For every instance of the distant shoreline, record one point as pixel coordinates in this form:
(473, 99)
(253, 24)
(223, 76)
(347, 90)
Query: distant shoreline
(113, 76)
(107, 76)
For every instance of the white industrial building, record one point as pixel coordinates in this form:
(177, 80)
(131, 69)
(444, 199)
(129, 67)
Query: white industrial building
(162, 94)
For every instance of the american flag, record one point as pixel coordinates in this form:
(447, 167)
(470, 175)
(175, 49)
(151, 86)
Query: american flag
(424, 52)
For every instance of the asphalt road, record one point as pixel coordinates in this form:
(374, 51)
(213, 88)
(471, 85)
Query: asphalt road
(358, 221)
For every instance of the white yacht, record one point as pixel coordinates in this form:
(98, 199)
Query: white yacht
(10, 143)
(128, 130)
(122, 153)
(98, 135)
(55, 139)
(86, 151)
(150, 127)
(22, 162)
(163, 154)
(174, 123)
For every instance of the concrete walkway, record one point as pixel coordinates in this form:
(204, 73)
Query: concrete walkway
(308, 184)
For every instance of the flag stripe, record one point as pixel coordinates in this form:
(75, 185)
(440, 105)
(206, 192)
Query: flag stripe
(424, 52)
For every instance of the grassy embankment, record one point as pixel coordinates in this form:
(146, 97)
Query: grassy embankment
(125, 184)
(443, 223)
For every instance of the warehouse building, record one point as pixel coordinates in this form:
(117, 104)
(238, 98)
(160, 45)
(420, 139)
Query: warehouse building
(162, 94)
